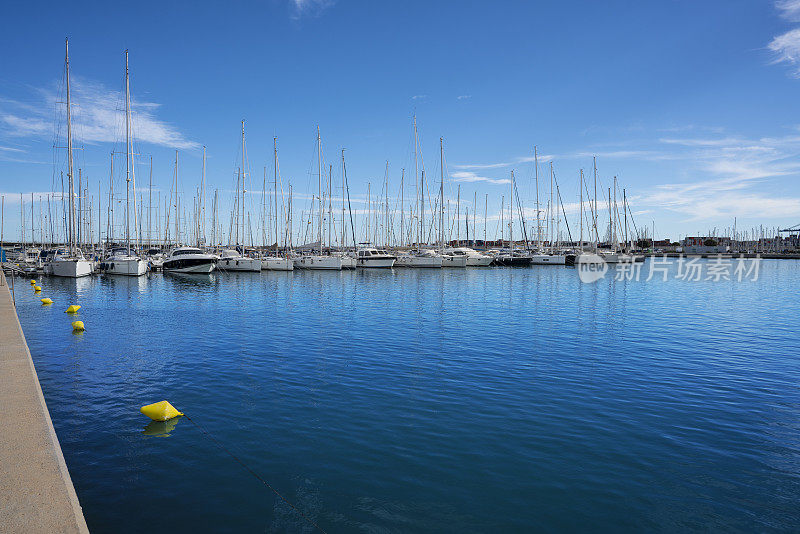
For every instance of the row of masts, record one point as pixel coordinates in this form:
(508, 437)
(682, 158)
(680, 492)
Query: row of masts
(379, 226)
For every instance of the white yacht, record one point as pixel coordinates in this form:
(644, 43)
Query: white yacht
(71, 265)
(348, 260)
(474, 258)
(276, 263)
(318, 261)
(453, 260)
(121, 261)
(538, 258)
(373, 257)
(232, 260)
(189, 260)
(424, 258)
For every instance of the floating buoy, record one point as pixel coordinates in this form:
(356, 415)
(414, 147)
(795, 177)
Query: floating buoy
(37, 289)
(77, 326)
(160, 411)
(46, 301)
(73, 308)
(33, 282)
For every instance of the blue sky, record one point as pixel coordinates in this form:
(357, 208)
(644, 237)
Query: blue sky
(693, 105)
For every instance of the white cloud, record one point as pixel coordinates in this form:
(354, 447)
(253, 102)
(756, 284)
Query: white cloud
(468, 176)
(309, 7)
(463, 97)
(482, 166)
(98, 118)
(733, 167)
(789, 9)
(786, 48)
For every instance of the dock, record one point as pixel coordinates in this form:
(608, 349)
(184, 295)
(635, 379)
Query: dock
(36, 492)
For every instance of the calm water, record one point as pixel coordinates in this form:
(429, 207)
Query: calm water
(478, 400)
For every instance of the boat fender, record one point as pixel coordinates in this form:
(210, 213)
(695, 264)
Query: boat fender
(160, 411)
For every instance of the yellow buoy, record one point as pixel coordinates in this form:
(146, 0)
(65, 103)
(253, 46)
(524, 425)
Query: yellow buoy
(73, 308)
(160, 411)
(37, 289)
(33, 282)
(77, 326)
(46, 301)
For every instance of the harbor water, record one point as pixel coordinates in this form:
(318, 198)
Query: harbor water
(452, 400)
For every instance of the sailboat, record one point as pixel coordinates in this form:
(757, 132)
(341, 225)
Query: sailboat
(319, 260)
(232, 259)
(122, 260)
(419, 257)
(539, 257)
(72, 264)
(276, 262)
(448, 260)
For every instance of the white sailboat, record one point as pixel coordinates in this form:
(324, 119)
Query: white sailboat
(231, 259)
(318, 260)
(122, 260)
(473, 257)
(420, 257)
(73, 264)
(276, 262)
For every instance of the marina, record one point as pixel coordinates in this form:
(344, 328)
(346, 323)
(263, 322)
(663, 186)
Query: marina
(421, 267)
(274, 366)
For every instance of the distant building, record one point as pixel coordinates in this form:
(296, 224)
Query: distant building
(706, 245)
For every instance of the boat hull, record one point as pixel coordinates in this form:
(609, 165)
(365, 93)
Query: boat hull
(189, 265)
(419, 262)
(479, 261)
(277, 264)
(548, 259)
(239, 264)
(376, 263)
(454, 261)
(512, 261)
(326, 263)
(72, 268)
(124, 266)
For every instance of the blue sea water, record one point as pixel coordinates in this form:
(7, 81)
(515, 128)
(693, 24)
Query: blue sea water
(471, 400)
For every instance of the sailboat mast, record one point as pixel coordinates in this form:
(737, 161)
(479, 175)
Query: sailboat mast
(402, 210)
(244, 181)
(511, 215)
(538, 213)
(177, 227)
(127, 157)
(417, 184)
(594, 214)
(69, 160)
(344, 226)
(580, 209)
(319, 178)
(441, 193)
(275, 186)
(201, 234)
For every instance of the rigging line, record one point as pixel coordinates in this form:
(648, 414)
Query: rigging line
(221, 446)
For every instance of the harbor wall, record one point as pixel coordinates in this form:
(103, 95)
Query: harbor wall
(36, 492)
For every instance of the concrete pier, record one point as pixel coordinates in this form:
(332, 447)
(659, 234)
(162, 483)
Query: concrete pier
(36, 492)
